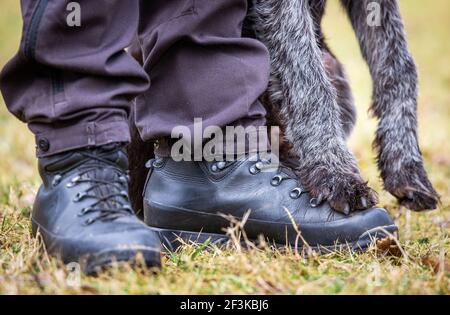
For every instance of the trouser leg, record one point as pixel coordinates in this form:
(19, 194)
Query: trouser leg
(72, 85)
(200, 66)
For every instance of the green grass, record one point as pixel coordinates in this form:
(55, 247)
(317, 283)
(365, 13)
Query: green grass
(25, 268)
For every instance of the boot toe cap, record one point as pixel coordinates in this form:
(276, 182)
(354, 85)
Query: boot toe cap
(355, 229)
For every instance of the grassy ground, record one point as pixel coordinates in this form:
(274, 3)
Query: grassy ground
(424, 267)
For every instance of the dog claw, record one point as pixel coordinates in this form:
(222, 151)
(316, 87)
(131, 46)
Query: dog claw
(347, 209)
(320, 198)
(364, 202)
(345, 192)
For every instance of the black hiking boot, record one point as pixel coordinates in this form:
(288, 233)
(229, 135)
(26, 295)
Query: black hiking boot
(187, 200)
(83, 213)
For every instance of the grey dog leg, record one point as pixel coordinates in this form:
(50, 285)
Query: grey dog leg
(307, 100)
(394, 102)
(345, 100)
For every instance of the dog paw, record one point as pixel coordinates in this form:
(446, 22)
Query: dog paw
(345, 192)
(411, 186)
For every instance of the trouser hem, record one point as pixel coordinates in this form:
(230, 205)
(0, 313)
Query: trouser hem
(92, 134)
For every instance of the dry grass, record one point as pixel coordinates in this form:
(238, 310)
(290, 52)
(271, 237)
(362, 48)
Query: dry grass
(25, 268)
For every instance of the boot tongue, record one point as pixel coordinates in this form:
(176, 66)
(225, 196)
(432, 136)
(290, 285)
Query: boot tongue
(107, 178)
(114, 181)
(113, 185)
(106, 174)
(115, 153)
(103, 172)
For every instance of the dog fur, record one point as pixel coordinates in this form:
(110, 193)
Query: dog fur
(310, 98)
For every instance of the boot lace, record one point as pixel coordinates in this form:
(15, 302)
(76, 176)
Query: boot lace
(110, 195)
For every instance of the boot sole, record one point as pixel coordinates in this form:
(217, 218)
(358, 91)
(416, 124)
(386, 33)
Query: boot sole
(92, 263)
(172, 224)
(173, 239)
(95, 263)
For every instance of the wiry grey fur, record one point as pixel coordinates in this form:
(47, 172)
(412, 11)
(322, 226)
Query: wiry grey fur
(311, 100)
(394, 104)
(309, 89)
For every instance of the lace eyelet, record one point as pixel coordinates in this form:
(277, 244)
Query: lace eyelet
(259, 166)
(253, 170)
(56, 180)
(276, 180)
(149, 163)
(158, 163)
(73, 182)
(79, 196)
(218, 166)
(89, 221)
(123, 179)
(296, 193)
(84, 211)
